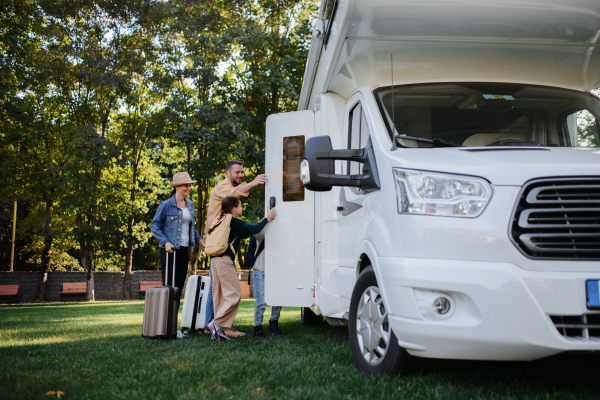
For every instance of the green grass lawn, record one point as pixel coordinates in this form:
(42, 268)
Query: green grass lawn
(95, 351)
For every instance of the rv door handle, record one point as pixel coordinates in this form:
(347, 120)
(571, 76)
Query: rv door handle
(340, 208)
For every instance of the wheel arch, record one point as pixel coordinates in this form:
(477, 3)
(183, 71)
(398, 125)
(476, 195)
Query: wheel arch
(368, 256)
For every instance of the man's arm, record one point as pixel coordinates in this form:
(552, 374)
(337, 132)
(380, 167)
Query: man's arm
(225, 189)
(259, 180)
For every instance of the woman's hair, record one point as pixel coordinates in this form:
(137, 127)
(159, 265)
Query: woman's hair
(173, 192)
(227, 204)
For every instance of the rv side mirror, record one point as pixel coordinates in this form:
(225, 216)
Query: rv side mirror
(317, 170)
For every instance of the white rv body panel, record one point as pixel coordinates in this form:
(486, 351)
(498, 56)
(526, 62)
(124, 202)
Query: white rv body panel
(502, 300)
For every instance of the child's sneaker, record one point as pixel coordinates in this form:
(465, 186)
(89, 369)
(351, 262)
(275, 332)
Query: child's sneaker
(215, 331)
(223, 335)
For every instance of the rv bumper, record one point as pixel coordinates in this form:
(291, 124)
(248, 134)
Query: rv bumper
(497, 311)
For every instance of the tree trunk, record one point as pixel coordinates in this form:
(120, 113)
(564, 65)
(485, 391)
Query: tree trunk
(204, 216)
(241, 258)
(87, 259)
(40, 288)
(130, 238)
(199, 228)
(128, 262)
(275, 99)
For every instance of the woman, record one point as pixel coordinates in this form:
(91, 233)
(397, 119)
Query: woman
(227, 291)
(174, 226)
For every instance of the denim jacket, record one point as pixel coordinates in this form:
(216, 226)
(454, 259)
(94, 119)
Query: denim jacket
(166, 225)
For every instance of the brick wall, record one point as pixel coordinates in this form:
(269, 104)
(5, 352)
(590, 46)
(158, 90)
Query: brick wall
(27, 280)
(53, 285)
(108, 285)
(138, 276)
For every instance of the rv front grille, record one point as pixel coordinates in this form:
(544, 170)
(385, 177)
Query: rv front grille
(558, 219)
(583, 327)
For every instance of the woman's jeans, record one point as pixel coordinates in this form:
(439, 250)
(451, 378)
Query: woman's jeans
(182, 257)
(258, 287)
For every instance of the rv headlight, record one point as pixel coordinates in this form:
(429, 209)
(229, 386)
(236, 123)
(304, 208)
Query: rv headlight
(429, 193)
(304, 172)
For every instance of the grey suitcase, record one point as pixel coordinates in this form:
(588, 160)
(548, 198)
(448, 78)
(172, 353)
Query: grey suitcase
(161, 308)
(194, 304)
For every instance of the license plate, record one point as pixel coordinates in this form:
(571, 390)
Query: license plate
(593, 295)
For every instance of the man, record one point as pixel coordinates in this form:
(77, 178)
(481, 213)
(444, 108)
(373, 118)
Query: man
(232, 185)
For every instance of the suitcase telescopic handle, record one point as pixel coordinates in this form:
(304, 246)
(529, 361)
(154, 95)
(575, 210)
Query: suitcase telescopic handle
(167, 269)
(173, 280)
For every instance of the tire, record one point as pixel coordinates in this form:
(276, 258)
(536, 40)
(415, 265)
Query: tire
(309, 318)
(374, 346)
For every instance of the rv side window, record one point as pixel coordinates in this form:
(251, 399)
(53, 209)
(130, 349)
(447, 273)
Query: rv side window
(581, 128)
(328, 16)
(358, 135)
(293, 154)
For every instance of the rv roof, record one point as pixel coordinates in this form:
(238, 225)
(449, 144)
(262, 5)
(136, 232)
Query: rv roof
(543, 42)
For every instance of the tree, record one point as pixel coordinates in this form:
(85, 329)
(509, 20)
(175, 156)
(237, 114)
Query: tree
(102, 102)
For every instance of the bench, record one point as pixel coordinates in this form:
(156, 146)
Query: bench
(72, 288)
(10, 290)
(145, 285)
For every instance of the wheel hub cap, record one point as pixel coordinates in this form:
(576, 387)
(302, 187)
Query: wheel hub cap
(372, 326)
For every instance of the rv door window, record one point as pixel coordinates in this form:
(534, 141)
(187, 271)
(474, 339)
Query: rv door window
(489, 114)
(358, 136)
(293, 154)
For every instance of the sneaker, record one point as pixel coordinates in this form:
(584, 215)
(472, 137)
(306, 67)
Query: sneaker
(234, 333)
(215, 331)
(223, 335)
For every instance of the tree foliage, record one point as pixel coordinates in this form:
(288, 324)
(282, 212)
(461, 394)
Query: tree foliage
(101, 102)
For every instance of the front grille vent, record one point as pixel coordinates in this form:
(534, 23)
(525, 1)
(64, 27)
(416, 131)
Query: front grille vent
(558, 219)
(586, 326)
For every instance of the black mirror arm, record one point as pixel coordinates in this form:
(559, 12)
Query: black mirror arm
(343, 155)
(346, 180)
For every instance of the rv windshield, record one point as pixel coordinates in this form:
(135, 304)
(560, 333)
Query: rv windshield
(482, 114)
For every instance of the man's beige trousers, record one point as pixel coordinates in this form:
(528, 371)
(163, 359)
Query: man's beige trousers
(226, 291)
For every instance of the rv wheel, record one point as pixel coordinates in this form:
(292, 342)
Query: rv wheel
(309, 318)
(374, 346)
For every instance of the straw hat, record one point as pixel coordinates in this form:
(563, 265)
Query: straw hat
(181, 178)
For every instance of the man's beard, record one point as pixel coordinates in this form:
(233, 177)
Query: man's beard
(235, 182)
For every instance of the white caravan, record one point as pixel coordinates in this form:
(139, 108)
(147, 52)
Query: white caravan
(438, 190)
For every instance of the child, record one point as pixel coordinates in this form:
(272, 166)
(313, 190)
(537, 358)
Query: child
(227, 291)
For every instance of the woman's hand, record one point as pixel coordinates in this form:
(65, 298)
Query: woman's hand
(169, 247)
(201, 244)
(271, 214)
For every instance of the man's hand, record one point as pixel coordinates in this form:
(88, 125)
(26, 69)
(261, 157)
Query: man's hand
(201, 244)
(169, 247)
(271, 214)
(259, 180)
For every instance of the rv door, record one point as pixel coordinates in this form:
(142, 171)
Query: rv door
(289, 240)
